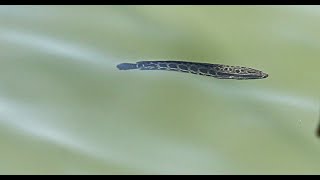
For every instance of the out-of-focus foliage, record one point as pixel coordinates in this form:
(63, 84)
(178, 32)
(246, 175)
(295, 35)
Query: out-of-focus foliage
(66, 109)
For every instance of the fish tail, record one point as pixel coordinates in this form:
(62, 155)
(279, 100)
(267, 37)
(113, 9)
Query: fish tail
(127, 66)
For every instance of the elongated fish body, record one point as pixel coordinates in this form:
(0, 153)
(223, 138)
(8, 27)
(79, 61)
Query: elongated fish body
(318, 130)
(205, 69)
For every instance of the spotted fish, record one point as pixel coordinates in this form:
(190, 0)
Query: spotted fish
(318, 128)
(214, 70)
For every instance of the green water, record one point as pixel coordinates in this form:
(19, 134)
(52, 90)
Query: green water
(66, 109)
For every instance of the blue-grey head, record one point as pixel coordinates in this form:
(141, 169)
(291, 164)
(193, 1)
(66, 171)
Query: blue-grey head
(238, 72)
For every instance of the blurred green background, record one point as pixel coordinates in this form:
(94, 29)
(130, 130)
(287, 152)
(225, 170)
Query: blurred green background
(66, 109)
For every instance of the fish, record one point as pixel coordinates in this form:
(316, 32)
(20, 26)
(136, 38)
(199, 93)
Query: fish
(219, 71)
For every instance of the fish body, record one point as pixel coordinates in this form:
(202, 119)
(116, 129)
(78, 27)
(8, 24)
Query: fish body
(219, 71)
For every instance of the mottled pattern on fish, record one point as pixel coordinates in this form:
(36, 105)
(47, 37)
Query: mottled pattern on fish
(205, 69)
